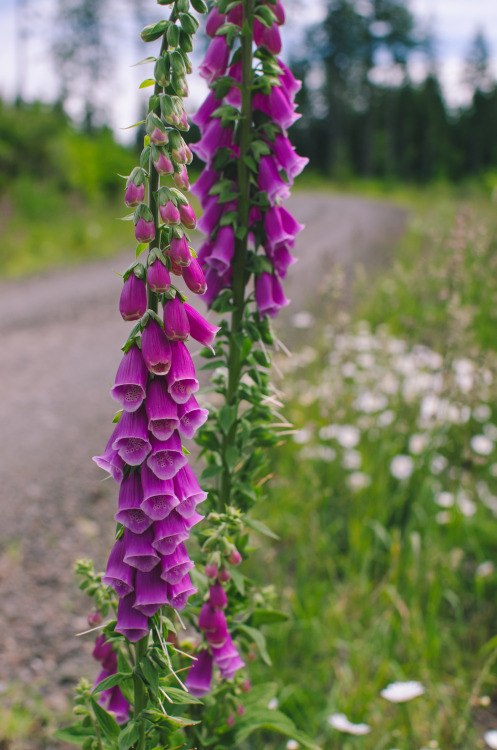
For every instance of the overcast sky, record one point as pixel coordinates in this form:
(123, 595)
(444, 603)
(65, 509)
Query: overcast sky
(453, 22)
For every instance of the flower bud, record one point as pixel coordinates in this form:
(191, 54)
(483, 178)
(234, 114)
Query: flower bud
(153, 31)
(161, 162)
(230, 721)
(246, 686)
(175, 269)
(169, 214)
(135, 187)
(187, 215)
(217, 597)
(161, 68)
(94, 619)
(181, 179)
(176, 326)
(224, 575)
(211, 570)
(180, 86)
(235, 557)
(156, 130)
(194, 277)
(144, 230)
(240, 709)
(179, 252)
(133, 299)
(158, 277)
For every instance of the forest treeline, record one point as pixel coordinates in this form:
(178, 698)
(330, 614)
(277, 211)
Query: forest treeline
(391, 128)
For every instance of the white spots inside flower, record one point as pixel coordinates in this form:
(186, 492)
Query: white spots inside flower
(133, 445)
(186, 421)
(342, 724)
(490, 738)
(417, 444)
(133, 394)
(137, 516)
(445, 499)
(482, 445)
(401, 467)
(348, 436)
(401, 692)
(482, 413)
(485, 569)
(179, 388)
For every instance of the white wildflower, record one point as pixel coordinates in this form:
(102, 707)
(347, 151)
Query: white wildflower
(490, 431)
(369, 402)
(485, 569)
(328, 432)
(386, 418)
(352, 460)
(443, 517)
(402, 467)
(273, 704)
(358, 481)
(466, 506)
(482, 445)
(302, 436)
(303, 319)
(438, 464)
(401, 692)
(366, 360)
(349, 369)
(444, 499)
(490, 738)
(292, 745)
(348, 436)
(417, 444)
(482, 413)
(340, 722)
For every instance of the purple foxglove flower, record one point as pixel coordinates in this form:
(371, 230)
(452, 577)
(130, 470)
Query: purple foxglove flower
(215, 19)
(235, 557)
(131, 437)
(234, 96)
(144, 230)
(176, 566)
(104, 653)
(167, 457)
(281, 258)
(133, 299)
(179, 593)
(162, 411)
(215, 282)
(158, 277)
(200, 328)
(227, 658)
(130, 500)
(180, 178)
(217, 597)
(270, 181)
(159, 137)
(162, 164)
(289, 160)
(206, 180)
(269, 295)
(131, 623)
(177, 270)
(131, 379)
(104, 695)
(110, 460)
(269, 37)
(187, 491)
(236, 15)
(204, 251)
(213, 138)
(289, 83)
(188, 218)
(209, 220)
(150, 592)
(156, 349)
(159, 497)
(211, 570)
(176, 325)
(139, 552)
(209, 618)
(216, 60)
(279, 12)
(181, 380)
(191, 417)
(277, 106)
(231, 667)
(134, 194)
(194, 277)
(169, 214)
(170, 532)
(119, 575)
(217, 636)
(280, 225)
(198, 681)
(118, 705)
(279, 297)
(223, 250)
(179, 252)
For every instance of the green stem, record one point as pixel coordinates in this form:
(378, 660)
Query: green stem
(140, 691)
(240, 257)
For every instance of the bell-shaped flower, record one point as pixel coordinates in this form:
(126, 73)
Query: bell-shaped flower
(267, 36)
(118, 705)
(206, 180)
(215, 20)
(144, 230)
(217, 597)
(200, 328)
(150, 591)
(280, 226)
(191, 417)
(269, 295)
(216, 60)
(194, 277)
(162, 411)
(216, 636)
(139, 552)
(180, 178)
(213, 138)
(179, 593)
(130, 438)
(156, 348)
(188, 491)
(288, 159)
(175, 566)
(135, 187)
(173, 530)
(167, 456)
(111, 461)
(169, 213)
(227, 658)
(179, 252)
(289, 83)
(188, 218)
(277, 106)
(129, 511)
(176, 325)
(119, 574)
(133, 299)
(280, 257)
(162, 163)
(158, 277)
(159, 497)
(131, 623)
(209, 221)
(270, 181)
(198, 681)
(223, 250)
(131, 380)
(181, 380)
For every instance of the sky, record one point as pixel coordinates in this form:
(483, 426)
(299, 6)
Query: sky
(454, 23)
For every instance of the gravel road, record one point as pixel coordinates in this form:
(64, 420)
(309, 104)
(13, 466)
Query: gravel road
(61, 338)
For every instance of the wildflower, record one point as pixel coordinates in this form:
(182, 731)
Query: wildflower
(401, 467)
(156, 349)
(133, 299)
(169, 213)
(401, 692)
(341, 722)
(198, 681)
(490, 738)
(348, 436)
(158, 277)
(481, 445)
(485, 569)
(135, 187)
(131, 380)
(176, 325)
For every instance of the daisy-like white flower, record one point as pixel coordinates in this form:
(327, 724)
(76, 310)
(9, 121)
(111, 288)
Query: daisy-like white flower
(401, 692)
(292, 745)
(340, 722)
(348, 436)
(490, 738)
(402, 467)
(482, 445)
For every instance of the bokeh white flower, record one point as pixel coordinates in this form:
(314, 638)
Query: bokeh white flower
(342, 723)
(490, 738)
(401, 467)
(482, 445)
(401, 692)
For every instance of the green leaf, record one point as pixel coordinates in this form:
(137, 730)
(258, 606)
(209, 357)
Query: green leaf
(117, 417)
(109, 682)
(232, 457)
(261, 528)
(142, 62)
(249, 161)
(227, 415)
(260, 718)
(228, 218)
(146, 83)
(122, 664)
(185, 450)
(238, 580)
(151, 674)
(211, 471)
(129, 735)
(140, 248)
(106, 722)
(265, 616)
(135, 125)
(76, 734)
(240, 232)
(180, 697)
(260, 641)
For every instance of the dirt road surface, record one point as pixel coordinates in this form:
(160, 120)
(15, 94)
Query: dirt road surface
(60, 346)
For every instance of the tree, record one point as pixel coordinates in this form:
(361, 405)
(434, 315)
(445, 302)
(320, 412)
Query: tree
(477, 73)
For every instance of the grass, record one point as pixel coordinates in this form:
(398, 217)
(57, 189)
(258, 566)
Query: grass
(388, 528)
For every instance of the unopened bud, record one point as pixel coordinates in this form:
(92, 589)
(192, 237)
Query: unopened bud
(156, 130)
(94, 619)
(169, 214)
(246, 686)
(161, 161)
(240, 709)
(172, 35)
(187, 215)
(161, 71)
(235, 557)
(224, 575)
(181, 178)
(153, 31)
(230, 721)
(211, 570)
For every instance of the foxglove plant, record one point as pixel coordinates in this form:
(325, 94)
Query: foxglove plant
(250, 165)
